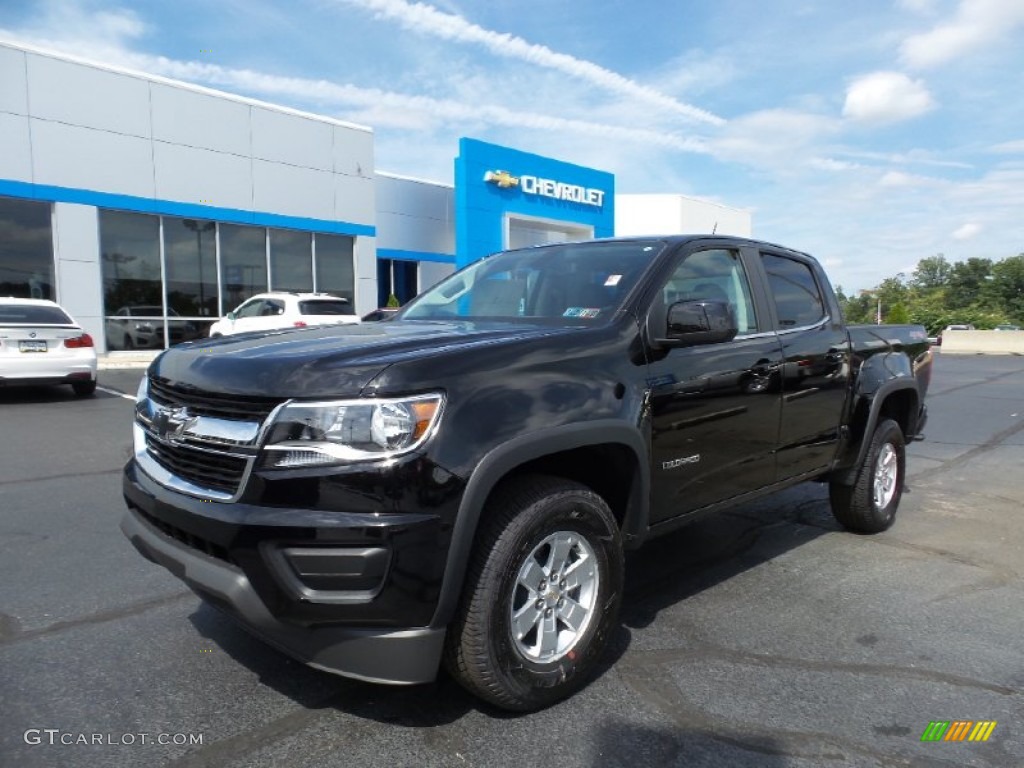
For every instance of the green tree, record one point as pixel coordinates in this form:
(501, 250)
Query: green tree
(859, 309)
(931, 273)
(967, 282)
(898, 314)
(1007, 286)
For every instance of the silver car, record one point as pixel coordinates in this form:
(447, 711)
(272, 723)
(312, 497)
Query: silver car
(41, 344)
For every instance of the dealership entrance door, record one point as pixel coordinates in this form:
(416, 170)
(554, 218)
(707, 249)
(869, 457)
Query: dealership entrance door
(524, 231)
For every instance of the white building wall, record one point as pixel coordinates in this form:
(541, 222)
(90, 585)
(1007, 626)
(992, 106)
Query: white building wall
(415, 215)
(678, 214)
(88, 127)
(365, 253)
(76, 247)
(431, 273)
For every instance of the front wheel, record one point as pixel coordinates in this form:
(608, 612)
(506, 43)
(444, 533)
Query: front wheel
(542, 595)
(869, 505)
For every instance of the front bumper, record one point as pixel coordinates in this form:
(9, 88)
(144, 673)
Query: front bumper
(339, 595)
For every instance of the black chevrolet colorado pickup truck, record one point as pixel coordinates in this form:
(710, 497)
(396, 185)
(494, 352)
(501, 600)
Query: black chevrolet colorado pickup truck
(457, 485)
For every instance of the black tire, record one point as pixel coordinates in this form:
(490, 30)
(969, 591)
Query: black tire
(84, 388)
(481, 652)
(128, 343)
(855, 506)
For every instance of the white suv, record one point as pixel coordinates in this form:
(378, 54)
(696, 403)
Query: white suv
(276, 310)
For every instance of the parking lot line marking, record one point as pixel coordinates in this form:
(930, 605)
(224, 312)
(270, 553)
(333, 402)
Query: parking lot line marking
(115, 392)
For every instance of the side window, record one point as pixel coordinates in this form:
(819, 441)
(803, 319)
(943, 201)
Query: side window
(798, 300)
(272, 307)
(716, 275)
(250, 308)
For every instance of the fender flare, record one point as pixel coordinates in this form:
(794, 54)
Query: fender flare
(504, 458)
(848, 475)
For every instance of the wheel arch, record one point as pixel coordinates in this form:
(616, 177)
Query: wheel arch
(897, 399)
(607, 456)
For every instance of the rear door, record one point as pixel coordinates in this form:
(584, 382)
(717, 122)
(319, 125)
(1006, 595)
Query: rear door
(816, 363)
(714, 408)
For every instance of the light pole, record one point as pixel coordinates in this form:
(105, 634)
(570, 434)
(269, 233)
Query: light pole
(198, 228)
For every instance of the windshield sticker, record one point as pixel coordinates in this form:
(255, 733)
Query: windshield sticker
(612, 280)
(581, 312)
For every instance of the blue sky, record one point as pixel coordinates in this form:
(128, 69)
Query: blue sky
(871, 135)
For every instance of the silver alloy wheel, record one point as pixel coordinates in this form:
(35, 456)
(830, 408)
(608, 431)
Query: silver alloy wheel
(554, 597)
(886, 474)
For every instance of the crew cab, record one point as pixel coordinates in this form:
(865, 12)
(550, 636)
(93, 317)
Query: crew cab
(457, 485)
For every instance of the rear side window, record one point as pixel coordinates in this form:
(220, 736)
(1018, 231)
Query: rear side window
(798, 300)
(326, 307)
(32, 315)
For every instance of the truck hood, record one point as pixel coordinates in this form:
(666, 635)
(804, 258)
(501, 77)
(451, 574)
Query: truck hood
(330, 361)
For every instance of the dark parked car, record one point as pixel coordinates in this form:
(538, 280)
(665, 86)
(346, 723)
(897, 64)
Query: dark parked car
(457, 485)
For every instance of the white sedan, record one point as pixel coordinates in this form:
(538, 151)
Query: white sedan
(278, 310)
(40, 344)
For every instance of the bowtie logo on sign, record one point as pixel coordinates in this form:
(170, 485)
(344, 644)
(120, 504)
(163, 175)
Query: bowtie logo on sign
(502, 179)
(557, 190)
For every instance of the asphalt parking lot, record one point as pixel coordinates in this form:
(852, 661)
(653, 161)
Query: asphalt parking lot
(761, 637)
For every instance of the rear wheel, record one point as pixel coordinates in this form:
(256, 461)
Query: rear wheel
(869, 505)
(542, 595)
(84, 388)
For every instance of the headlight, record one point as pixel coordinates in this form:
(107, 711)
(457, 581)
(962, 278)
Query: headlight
(313, 434)
(143, 391)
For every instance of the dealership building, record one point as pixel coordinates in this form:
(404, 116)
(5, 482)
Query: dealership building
(136, 201)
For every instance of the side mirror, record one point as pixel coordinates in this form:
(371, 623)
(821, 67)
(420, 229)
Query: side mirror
(699, 322)
(231, 315)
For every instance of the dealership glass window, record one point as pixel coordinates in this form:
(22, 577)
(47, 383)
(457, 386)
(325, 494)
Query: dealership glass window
(335, 266)
(132, 286)
(396, 278)
(291, 260)
(190, 256)
(243, 263)
(26, 249)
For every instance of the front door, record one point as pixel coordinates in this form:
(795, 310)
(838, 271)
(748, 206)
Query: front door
(716, 407)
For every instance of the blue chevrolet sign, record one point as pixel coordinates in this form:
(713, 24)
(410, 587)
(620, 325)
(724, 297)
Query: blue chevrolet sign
(494, 184)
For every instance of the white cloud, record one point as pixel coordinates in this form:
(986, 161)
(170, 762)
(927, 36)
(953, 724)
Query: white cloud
(886, 97)
(780, 139)
(423, 18)
(1009, 147)
(911, 157)
(966, 232)
(975, 25)
(901, 179)
(831, 164)
(918, 6)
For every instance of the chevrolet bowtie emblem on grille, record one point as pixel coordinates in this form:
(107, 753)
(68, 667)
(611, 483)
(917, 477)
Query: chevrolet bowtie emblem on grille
(503, 179)
(170, 424)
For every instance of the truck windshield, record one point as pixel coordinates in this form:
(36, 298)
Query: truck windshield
(572, 283)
